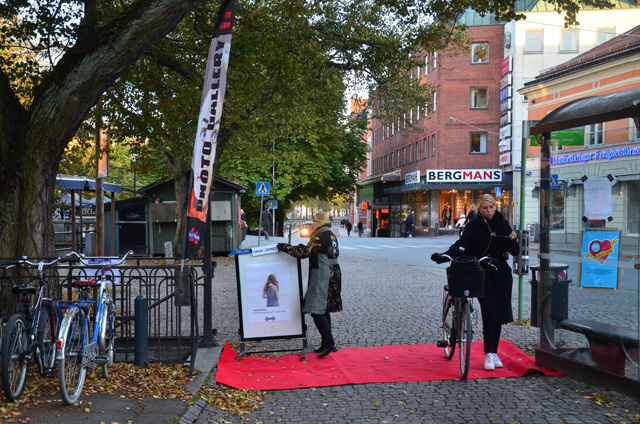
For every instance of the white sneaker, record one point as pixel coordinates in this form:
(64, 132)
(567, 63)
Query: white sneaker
(488, 362)
(496, 361)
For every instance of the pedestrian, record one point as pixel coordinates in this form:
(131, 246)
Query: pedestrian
(408, 225)
(267, 222)
(349, 227)
(360, 228)
(446, 215)
(490, 235)
(271, 291)
(325, 279)
(460, 224)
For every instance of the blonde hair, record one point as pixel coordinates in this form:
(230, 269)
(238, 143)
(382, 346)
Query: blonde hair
(323, 218)
(485, 198)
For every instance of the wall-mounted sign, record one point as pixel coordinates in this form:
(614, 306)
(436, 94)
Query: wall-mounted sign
(506, 66)
(504, 145)
(463, 175)
(505, 93)
(505, 131)
(505, 106)
(364, 206)
(505, 81)
(412, 177)
(505, 119)
(505, 159)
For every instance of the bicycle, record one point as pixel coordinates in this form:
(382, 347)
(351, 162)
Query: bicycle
(29, 335)
(80, 344)
(465, 280)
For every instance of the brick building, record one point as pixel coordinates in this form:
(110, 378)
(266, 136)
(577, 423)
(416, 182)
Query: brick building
(452, 157)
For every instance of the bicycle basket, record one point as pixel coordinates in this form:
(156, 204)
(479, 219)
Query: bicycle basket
(465, 273)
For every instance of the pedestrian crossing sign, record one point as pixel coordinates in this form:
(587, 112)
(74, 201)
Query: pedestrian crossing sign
(262, 188)
(273, 204)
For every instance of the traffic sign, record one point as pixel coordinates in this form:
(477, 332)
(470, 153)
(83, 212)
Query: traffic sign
(498, 193)
(273, 204)
(553, 182)
(262, 188)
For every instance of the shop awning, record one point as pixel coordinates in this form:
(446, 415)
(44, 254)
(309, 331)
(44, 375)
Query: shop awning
(85, 183)
(588, 110)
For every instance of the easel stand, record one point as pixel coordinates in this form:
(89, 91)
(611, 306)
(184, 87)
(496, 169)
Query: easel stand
(303, 351)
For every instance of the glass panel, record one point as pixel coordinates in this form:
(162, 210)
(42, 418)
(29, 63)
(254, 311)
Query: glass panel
(585, 285)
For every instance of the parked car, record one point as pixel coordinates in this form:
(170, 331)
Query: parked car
(306, 229)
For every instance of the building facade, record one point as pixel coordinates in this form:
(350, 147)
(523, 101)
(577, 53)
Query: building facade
(450, 156)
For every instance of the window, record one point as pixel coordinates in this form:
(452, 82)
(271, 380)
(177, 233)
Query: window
(478, 143)
(632, 202)
(435, 100)
(426, 142)
(404, 156)
(398, 157)
(479, 98)
(556, 209)
(433, 145)
(435, 56)
(426, 64)
(569, 40)
(533, 41)
(480, 53)
(604, 35)
(410, 155)
(594, 134)
(417, 151)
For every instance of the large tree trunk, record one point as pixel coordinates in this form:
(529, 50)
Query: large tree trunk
(33, 140)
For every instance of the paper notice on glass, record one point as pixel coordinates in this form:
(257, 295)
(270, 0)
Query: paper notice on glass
(597, 198)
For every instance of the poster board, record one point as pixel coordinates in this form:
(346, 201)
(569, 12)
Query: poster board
(599, 253)
(257, 320)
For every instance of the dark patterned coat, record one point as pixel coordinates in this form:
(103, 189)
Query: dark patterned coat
(325, 278)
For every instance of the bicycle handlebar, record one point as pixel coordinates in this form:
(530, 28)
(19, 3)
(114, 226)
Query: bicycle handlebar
(84, 262)
(40, 265)
(481, 260)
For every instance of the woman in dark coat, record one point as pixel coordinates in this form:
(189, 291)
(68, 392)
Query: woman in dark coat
(325, 279)
(490, 235)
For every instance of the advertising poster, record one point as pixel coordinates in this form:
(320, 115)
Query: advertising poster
(269, 295)
(600, 252)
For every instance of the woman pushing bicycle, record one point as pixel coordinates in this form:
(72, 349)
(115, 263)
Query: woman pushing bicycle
(490, 235)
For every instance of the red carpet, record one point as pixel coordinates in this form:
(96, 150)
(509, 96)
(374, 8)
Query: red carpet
(380, 364)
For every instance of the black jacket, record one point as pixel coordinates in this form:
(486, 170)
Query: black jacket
(491, 238)
(486, 238)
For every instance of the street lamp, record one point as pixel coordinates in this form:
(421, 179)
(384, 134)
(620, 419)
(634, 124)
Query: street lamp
(134, 160)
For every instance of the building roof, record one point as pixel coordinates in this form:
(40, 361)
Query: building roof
(623, 45)
(589, 110)
(84, 183)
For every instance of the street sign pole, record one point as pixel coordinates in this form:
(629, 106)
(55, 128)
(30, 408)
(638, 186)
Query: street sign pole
(260, 228)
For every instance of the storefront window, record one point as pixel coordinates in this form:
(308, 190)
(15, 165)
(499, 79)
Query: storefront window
(633, 206)
(556, 214)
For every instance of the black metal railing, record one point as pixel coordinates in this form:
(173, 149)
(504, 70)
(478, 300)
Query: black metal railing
(172, 333)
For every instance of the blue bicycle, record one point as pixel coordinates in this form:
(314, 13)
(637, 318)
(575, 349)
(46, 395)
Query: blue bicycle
(81, 344)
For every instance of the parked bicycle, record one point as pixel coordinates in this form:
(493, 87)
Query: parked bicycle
(82, 345)
(465, 280)
(29, 335)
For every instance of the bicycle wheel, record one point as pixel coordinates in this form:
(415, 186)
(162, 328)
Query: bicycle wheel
(46, 337)
(448, 326)
(71, 371)
(466, 337)
(107, 338)
(13, 360)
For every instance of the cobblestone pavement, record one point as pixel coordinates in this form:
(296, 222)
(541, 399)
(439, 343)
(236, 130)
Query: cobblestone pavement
(385, 304)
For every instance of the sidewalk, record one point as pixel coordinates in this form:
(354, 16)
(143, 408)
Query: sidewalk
(384, 304)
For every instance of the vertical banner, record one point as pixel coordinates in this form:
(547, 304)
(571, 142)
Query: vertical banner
(204, 149)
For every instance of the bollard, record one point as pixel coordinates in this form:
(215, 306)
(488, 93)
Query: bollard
(140, 320)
